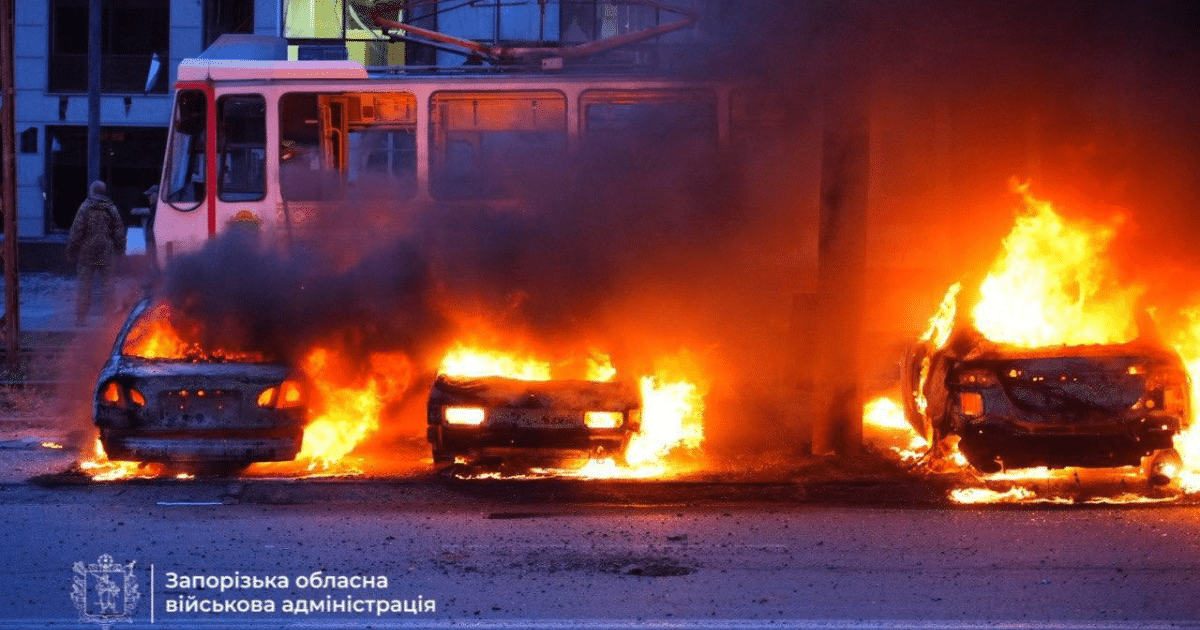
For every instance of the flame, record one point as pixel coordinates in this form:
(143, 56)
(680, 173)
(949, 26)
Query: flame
(463, 360)
(672, 416)
(1052, 285)
(942, 322)
(600, 367)
(884, 424)
(985, 495)
(344, 411)
(1187, 344)
(54, 446)
(99, 467)
(162, 333)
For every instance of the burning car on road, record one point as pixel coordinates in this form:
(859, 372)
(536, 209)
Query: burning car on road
(160, 399)
(480, 420)
(1092, 406)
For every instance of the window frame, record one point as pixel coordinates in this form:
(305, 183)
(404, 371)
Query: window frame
(65, 78)
(438, 159)
(222, 150)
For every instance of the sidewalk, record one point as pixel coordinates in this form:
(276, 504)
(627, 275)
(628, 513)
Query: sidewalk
(48, 301)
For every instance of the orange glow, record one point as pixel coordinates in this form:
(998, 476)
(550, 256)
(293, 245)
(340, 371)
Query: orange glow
(164, 334)
(475, 362)
(99, 467)
(672, 417)
(345, 413)
(1052, 285)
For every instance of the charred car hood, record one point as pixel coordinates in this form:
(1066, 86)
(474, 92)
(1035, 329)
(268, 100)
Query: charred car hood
(159, 368)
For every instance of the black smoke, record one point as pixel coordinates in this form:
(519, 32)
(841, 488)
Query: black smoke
(647, 245)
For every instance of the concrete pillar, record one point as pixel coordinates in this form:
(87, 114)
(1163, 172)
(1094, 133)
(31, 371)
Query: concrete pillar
(841, 264)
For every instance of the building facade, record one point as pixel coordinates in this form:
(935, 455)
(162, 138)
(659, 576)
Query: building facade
(142, 44)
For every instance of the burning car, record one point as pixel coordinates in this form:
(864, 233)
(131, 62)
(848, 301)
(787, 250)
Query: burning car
(1093, 406)
(161, 399)
(499, 419)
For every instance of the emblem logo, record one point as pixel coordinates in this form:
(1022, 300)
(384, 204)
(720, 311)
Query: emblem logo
(105, 592)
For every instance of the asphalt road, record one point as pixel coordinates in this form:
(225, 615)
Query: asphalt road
(551, 554)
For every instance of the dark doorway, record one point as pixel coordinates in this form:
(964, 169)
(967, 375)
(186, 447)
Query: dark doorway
(131, 161)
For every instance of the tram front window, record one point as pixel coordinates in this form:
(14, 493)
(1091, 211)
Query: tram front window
(186, 149)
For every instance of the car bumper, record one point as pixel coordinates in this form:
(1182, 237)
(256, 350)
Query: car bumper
(484, 442)
(1093, 445)
(202, 449)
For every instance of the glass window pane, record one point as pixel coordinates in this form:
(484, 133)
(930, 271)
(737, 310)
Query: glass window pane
(186, 151)
(242, 138)
(332, 145)
(488, 144)
(655, 116)
(313, 19)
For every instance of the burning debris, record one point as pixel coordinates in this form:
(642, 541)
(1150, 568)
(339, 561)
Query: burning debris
(1053, 370)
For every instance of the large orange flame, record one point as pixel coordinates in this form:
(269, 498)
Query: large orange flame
(163, 333)
(1053, 285)
(1187, 344)
(346, 412)
(470, 361)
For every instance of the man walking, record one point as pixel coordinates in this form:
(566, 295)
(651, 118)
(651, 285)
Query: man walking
(97, 238)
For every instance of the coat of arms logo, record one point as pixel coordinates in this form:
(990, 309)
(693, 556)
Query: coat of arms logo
(105, 592)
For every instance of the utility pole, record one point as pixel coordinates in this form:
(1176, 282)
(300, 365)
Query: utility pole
(841, 249)
(95, 11)
(8, 181)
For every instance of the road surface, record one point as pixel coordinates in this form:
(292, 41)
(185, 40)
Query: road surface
(559, 555)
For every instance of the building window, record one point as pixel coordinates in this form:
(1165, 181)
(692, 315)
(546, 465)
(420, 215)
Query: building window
(334, 29)
(227, 16)
(132, 32)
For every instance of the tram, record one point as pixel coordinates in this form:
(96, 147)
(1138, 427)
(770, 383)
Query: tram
(282, 143)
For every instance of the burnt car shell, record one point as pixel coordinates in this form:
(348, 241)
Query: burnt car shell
(1095, 406)
(530, 421)
(197, 415)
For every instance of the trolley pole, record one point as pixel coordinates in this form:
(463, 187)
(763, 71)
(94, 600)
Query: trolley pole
(8, 181)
